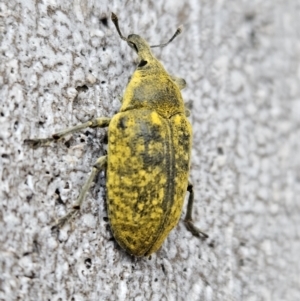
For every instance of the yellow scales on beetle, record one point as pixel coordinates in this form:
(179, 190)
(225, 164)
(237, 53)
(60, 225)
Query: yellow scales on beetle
(148, 157)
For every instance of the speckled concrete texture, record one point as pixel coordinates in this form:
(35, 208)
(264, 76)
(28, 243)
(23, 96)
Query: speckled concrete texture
(62, 63)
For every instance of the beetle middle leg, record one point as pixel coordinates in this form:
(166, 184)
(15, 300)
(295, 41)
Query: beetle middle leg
(97, 122)
(188, 217)
(98, 166)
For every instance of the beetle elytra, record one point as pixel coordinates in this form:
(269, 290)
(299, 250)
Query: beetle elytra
(148, 158)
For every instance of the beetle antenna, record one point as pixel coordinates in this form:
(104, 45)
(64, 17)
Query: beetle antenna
(115, 20)
(178, 31)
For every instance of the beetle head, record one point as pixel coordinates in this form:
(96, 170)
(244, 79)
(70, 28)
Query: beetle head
(137, 43)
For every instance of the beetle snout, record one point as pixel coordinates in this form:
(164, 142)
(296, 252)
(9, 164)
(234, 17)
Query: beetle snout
(133, 46)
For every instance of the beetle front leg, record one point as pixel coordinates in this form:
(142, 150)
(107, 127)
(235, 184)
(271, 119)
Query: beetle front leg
(188, 217)
(97, 122)
(98, 166)
(180, 82)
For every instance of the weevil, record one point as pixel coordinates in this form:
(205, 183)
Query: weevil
(148, 157)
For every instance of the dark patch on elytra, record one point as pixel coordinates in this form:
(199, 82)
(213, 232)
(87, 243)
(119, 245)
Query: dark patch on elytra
(150, 133)
(129, 239)
(150, 160)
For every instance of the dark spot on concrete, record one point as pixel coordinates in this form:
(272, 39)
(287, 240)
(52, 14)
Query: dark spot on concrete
(83, 88)
(220, 150)
(88, 263)
(67, 144)
(104, 21)
(211, 244)
(58, 199)
(249, 16)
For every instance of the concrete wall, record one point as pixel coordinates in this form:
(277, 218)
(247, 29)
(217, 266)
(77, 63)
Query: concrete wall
(63, 63)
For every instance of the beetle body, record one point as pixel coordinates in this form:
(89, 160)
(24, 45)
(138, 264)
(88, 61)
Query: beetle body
(148, 157)
(149, 146)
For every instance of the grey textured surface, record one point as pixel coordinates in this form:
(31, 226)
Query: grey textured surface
(241, 63)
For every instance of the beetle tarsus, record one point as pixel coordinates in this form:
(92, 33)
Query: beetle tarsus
(99, 165)
(66, 218)
(194, 230)
(36, 143)
(188, 218)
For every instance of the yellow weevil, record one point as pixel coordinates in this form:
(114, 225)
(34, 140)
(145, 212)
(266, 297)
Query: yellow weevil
(148, 158)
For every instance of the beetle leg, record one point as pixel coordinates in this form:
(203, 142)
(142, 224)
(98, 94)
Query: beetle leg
(98, 166)
(97, 122)
(187, 112)
(188, 217)
(180, 82)
(188, 106)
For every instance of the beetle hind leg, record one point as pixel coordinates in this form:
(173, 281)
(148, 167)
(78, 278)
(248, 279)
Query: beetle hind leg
(188, 217)
(98, 166)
